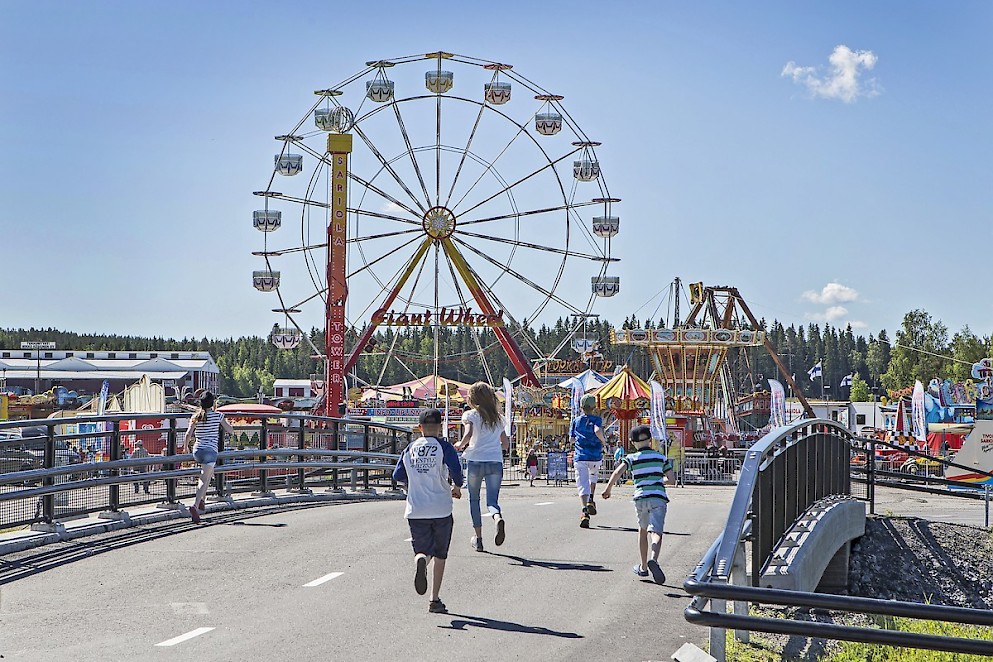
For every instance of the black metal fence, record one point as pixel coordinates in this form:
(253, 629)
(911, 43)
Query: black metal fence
(781, 477)
(59, 469)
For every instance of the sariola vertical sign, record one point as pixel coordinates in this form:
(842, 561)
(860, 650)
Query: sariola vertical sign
(339, 147)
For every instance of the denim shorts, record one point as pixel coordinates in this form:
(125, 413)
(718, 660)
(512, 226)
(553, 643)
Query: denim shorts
(651, 514)
(205, 455)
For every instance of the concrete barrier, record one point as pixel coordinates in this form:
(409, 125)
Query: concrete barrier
(813, 554)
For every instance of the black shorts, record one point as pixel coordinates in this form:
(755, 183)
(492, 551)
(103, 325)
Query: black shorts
(431, 537)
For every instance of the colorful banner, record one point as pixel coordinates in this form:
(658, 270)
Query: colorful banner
(918, 412)
(777, 405)
(657, 414)
(508, 405)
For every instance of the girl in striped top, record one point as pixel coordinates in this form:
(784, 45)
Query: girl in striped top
(202, 438)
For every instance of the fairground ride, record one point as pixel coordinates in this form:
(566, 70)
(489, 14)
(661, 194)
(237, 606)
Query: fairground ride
(457, 194)
(690, 358)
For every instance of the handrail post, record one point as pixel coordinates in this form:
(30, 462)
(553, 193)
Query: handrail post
(871, 487)
(301, 445)
(263, 445)
(393, 451)
(220, 481)
(115, 454)
(365, 449)
(171, 451)
(48, 501)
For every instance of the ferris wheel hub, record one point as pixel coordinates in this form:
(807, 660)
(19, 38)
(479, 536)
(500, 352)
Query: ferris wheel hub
(439, 222)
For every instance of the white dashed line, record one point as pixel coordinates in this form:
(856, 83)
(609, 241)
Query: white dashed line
(184, 637)
(545, 503)
(320, 580)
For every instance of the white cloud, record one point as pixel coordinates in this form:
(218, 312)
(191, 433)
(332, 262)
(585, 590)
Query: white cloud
(831, 314)
(392, 208)
(843, 78)
(832, 293)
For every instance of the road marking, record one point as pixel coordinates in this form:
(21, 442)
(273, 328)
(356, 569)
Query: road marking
(320, 580)
(184, 637)
(545, 503)
(408, 540)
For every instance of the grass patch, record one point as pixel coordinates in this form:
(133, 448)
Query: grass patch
(760, 649)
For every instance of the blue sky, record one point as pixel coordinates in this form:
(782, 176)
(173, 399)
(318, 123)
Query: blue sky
(831, 160)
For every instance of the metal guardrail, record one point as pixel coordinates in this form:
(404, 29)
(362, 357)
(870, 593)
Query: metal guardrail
(782, 475)
(313, 451)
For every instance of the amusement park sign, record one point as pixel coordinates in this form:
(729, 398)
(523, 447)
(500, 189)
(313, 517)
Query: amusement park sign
(445, 317)
(575, 366)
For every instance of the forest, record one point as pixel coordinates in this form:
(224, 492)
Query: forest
(920, 349)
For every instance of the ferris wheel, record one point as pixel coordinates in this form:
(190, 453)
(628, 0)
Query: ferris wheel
(434, 191)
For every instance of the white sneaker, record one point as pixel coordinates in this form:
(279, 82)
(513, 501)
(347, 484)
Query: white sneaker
(477, 543)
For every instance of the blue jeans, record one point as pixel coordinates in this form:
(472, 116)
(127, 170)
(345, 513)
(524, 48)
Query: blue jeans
(492, 473)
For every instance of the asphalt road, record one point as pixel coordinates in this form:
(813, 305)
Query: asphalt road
(553, 591)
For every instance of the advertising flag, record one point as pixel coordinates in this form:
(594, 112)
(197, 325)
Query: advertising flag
(815, 371)
(657, 414)
(508, 407)
(918, 413)
(777, 406)
(577, 399)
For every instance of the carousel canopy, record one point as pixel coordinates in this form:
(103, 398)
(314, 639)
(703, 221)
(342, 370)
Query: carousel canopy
(423, 388)
(588, 379)
(626, 387)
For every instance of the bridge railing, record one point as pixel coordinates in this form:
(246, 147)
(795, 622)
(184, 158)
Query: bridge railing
(782, 475)
(43, 478)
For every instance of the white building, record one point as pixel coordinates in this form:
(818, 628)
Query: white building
(853, 415)
(85, 371)
(292, 388)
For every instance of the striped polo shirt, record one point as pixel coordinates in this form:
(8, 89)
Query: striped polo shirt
(648, 468)
(207, 431)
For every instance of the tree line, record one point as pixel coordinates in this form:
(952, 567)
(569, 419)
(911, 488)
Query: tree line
(921, 349)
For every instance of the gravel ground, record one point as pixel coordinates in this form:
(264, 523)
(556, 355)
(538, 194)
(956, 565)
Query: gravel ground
(899, 558)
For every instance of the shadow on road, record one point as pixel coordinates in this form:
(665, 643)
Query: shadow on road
(552, 565)
(462, 621)
(628, 529)
(55, 555)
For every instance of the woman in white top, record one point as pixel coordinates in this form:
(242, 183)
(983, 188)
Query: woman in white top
(483, 441)
(202, 439)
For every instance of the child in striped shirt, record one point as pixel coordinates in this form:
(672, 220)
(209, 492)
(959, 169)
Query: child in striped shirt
(651, 470)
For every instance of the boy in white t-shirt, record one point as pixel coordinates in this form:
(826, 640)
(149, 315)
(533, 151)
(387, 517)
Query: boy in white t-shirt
(430, 467)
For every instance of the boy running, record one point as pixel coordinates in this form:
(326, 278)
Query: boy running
(651, 470)
(430, 467)
(586, 435)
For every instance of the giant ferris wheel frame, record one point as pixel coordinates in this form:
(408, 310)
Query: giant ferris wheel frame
(423, 223)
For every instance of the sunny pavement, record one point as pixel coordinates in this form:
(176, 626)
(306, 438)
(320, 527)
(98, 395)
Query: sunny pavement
(553, 591)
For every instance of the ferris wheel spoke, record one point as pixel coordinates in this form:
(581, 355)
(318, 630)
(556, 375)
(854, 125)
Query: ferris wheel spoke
(531, 212)
(396, 233)
(388, 217)
(475, 337)
(539, 247)
(521, 277)
(410, 151)
(287, 251)
(384, 195)
(437, 157)
(550, 164)
(389, 253)
(465, 153)
(521, 131)
(386, 165)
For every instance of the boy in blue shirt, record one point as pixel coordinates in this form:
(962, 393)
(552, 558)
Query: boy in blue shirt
(431, 469)
(586, 435)
(651, 470)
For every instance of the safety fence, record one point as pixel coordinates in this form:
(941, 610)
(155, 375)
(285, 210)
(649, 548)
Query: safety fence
(59, 469)
(782, 476)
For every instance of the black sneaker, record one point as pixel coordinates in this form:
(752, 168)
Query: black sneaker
(437, 607)
(584, 520)
(501, 533)
(591, 507)
(421, 575)
(657, 575)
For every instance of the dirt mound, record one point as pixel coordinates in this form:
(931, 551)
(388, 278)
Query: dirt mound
(916, 560)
